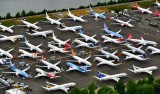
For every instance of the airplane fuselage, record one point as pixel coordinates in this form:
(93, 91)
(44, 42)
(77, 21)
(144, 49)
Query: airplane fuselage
(4, 28)
(2, 52)
(104, 61)
(108, 55)
(11, 38)
(81, 60)
(30, 24)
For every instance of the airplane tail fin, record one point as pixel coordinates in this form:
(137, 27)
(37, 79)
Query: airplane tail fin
(25, 40)
(35, 54)
(91, 10)
(156, 11)
(130, 36)
(119, 39)
(47, 14)
(131, 70)
(135, 4)
(105, 27)
(69, 11)
(53, 35)
(157, 1)
(42, 57)
(73, 54)
(11, 64)
(100, 75)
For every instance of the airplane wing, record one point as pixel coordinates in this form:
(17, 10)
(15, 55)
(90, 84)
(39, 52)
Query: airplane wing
(87, 57)
(10, 72)
(115, 52)
(36, 23)
(102, 62)
(39, 45)
(70, 69)
(11, 26)
(3, 35)
(10, 50)
(148, 71)
(51, 83)
(102, 13)
(67, 40)
(57, 63)
(65, 89)
(118, 31)
(26, 69)
(80, 45)
(116, 79)
(140, 47)
(94, 36)
(129, 20)
(128, 57)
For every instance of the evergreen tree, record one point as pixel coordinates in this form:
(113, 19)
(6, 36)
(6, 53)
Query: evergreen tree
(85, 91)
(131, 87)
(8, 15)
(145, 89)
(23, 13)
(17, 15)
(150, 79)
(75, 91)
(120, 87)
(92, 88)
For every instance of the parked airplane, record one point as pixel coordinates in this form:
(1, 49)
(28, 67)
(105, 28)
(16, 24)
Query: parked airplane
(156, 13)
(11, 38)
(78, 68)
(83, 44)
(107, 54)
(29, 25)
(115, 77)
(134, 49)
(79, 59)
(64, 87)
(59, 42)
(17, 71)
(27, 54)
(142, 9)
(53, 21)
(104, 61)
(157, 3)
(71, 28)
(132, 56)
(141, 41)
(154, 50)
(88, 38)
(146, 70)
(108, 39)
(31, 47)
(122, 23)
(6, 53)
(76, 18)
(42, 33)
(49, 65)
(4, 28)
(97, 15)
(54, 49)
(42, 73)
(112, 33)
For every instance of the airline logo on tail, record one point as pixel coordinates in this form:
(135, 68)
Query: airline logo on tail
(100, 75)
(136, 5)
(130, 36)
(73, 54)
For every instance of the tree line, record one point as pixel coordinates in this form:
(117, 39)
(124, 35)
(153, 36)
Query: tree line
(31, 13)
(143, 86)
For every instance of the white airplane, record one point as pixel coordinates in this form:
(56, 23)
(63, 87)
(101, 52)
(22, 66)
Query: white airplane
(141, 41)
(11, 38)
(83, 44)
(142, 9)
(6, 53)
(59, 42)
(32, 47)
(54, 49)
(64, 87)
(115, 77)
(72, 28)
(122, 23)
(3, 61)
(108, 39)
(50, 65)
(88, 38)
(80, 60)
(29, 25)
(157, 3)
(76, 18)
(132, 56)
(4, 28)
(42, 73)
(134, 49)
(42, 33)
(108, 55)
(53, 21)
(27, 54)
(146, 70)
(154, 50)
(104, 61)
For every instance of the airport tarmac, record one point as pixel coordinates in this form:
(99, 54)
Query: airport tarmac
(83, 79)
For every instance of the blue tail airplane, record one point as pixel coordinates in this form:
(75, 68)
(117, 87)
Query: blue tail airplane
(75, 67)
(97, 15)
(112, 33)
(17, 71)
